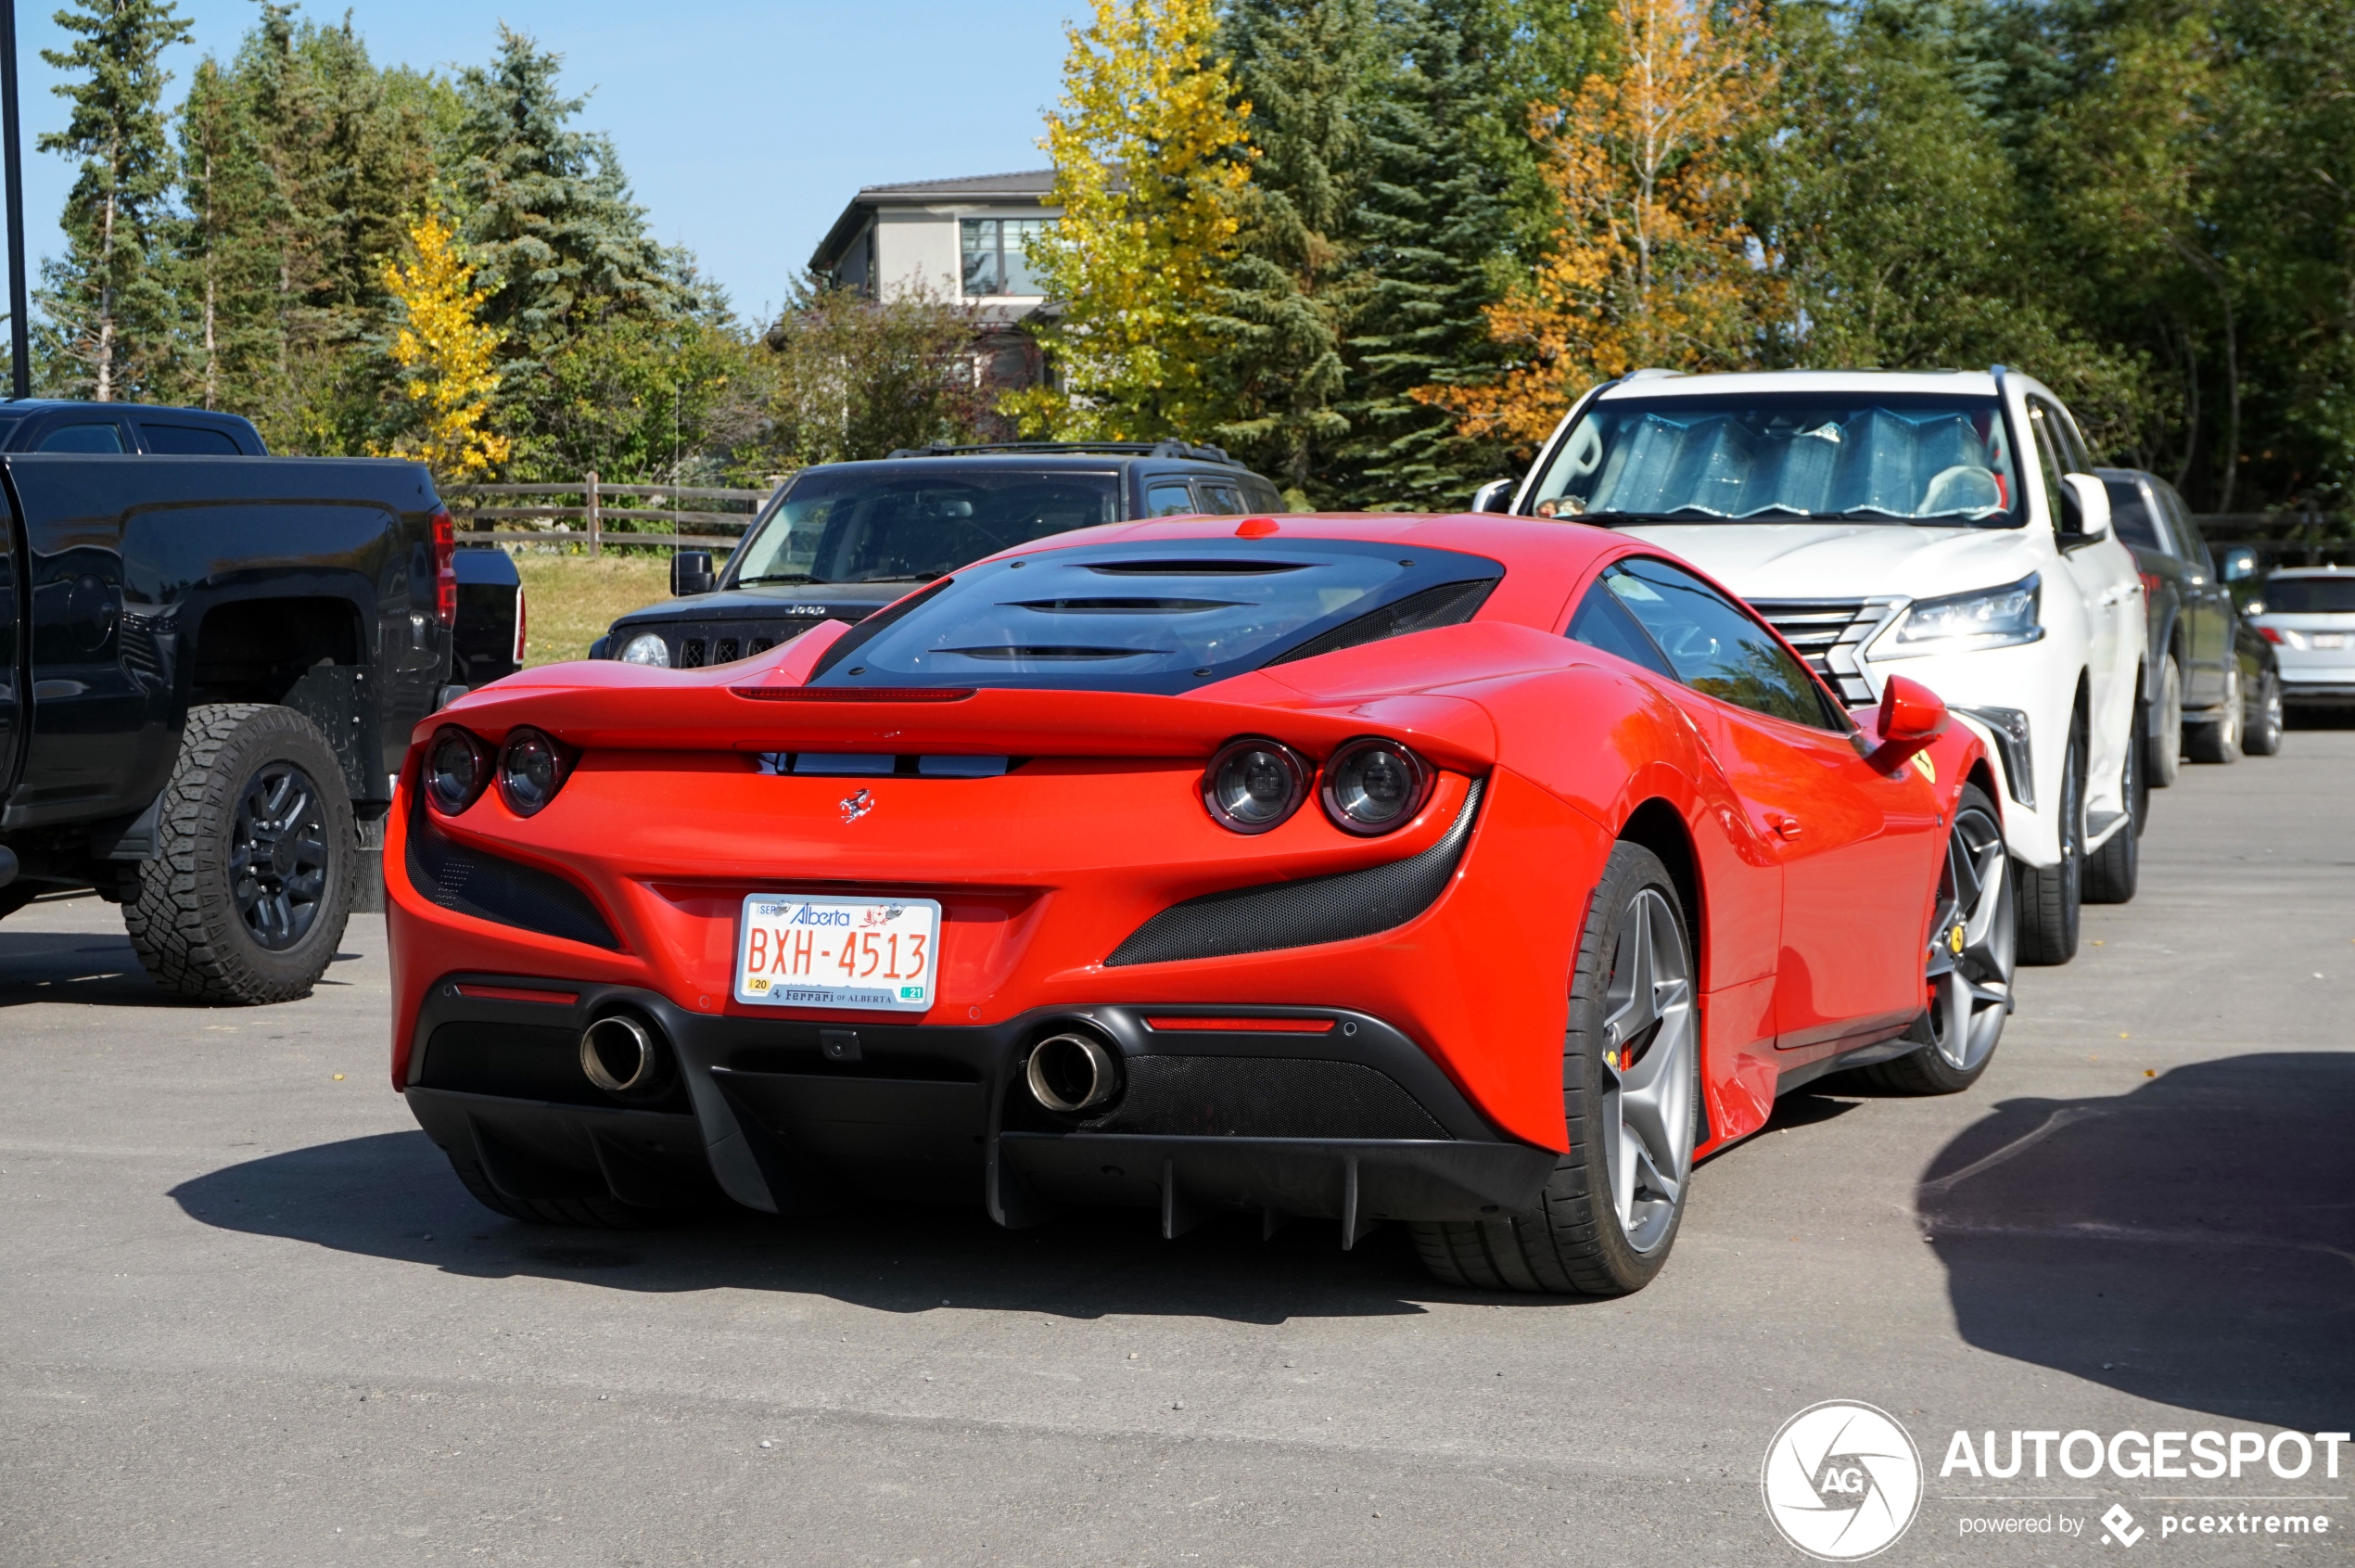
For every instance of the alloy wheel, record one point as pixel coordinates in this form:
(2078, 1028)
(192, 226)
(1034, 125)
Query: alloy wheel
(1973, 943)
(1652, 1032)
(278, 856)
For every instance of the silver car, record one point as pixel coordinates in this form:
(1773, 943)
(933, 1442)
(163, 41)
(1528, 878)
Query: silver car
(2308, 613)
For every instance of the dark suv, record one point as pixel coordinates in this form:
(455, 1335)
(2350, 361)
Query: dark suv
(844, 539)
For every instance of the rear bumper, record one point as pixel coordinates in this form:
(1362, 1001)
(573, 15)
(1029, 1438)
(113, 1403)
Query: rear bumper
(1354, 1124)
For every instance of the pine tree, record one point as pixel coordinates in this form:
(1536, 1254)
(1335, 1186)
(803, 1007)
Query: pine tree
(108, 301)
(1151, 155)
(1435, 215)
(444, 352)
(1654, 262)
(1283, 297)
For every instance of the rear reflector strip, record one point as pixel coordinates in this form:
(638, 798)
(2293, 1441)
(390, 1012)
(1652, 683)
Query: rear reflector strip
(1246, 1026)
(517, 993)
(854, 694)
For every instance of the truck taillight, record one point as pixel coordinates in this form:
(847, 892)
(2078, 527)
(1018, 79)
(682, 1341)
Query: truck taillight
(445, 568)
(2150, 587)
(519, 623)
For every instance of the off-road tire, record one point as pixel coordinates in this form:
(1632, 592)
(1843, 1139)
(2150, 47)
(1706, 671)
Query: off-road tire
(2049, 898)
(2261, 735)
(586, 1213)
(184, 922)
(2218, 739)
(1569, 1243)
(2165, 729)
(2113, 871)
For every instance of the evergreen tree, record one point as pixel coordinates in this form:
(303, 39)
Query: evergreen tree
(109, 302)
(1284, 296)
(1435, 215)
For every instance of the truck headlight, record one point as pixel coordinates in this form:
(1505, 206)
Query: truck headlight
(1991, 617)
(647, 647)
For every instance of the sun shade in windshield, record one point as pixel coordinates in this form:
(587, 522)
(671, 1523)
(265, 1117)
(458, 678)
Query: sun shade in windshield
(1141, 617)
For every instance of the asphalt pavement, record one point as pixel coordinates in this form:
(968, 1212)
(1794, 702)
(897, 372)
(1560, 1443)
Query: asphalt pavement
(248, 1316)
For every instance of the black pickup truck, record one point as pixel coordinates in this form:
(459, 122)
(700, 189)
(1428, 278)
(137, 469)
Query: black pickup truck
(208, 667)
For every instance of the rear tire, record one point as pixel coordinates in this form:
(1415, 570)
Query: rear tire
(2262, 736)
(245, 899)
(2166, 730)
(1630, 1092)
(2219, 740)
(2049, 898)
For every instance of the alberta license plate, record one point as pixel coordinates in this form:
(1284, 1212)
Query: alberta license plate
(838, 953)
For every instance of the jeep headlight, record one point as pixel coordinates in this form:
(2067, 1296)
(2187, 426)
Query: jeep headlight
(1992, 618)
(647, 647)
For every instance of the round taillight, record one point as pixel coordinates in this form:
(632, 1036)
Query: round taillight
(531, 769)
(1373, 785)
(457, 770)
(1254, 785)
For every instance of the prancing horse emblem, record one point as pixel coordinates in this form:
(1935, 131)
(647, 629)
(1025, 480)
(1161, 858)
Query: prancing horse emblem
(857, 805)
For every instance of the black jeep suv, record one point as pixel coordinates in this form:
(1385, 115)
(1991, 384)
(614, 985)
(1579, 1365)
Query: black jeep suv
(843, 540)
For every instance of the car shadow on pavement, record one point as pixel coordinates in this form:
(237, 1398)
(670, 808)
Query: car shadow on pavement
(2191, 1243)
(392, 1195)
(81, 966)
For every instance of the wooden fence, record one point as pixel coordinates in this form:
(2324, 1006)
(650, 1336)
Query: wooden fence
(486, 515)
(2283, 539)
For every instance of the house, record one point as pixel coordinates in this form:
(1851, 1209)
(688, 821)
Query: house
(960, 240)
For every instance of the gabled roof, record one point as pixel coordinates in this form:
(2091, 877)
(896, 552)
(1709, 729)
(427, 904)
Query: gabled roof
(1031, 186)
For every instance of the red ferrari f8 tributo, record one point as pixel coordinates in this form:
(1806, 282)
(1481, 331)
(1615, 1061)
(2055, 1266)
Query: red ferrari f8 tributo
(1479, 873)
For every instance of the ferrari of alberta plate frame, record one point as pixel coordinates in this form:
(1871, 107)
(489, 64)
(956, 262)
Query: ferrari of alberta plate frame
(1479, 873)
(837, 952)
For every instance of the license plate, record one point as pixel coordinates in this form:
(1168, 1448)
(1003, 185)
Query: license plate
(838, 953)
(2330, 639)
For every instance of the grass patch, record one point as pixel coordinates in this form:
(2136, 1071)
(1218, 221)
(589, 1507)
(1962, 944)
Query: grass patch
(570, 599)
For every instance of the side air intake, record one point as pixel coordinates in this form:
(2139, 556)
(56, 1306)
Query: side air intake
(1303, 913)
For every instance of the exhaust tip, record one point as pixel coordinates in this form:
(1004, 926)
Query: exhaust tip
(623, 1056)
(1072, 1071)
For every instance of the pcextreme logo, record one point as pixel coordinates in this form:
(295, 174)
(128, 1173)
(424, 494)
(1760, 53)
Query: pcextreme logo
(1841, 1481)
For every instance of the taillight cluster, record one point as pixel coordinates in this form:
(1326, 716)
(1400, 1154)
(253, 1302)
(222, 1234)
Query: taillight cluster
(445, 568)
(1369, 785)
(528, 769)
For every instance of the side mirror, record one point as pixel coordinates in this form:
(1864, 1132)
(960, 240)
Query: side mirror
(691, 572)
(1910, 717)
(2240, 564)
(1496, 495)
(2085, 508)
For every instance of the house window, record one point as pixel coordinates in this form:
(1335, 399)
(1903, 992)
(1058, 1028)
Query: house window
(995, 260)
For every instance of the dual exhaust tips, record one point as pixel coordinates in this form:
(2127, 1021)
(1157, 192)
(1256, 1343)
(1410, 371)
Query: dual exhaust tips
(1067, 1073)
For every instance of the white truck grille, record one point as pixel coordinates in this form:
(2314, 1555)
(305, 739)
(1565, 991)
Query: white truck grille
(1830, 634)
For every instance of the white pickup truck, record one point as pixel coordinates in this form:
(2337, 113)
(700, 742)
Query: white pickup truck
(1944, 524)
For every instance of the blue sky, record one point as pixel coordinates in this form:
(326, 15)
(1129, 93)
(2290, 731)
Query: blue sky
(744, 128)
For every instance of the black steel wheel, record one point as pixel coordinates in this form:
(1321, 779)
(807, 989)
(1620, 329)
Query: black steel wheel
(256, 856)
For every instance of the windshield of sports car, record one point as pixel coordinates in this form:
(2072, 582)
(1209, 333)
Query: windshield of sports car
(914, 522)
(1165, 615)
(1932, 459)
(2310, 596)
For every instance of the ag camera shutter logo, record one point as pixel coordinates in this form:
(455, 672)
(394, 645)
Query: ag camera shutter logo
(1841, 1481)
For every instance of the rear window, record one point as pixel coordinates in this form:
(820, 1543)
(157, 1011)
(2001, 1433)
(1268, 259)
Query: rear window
(188, 440)
(917, 522)
(2310, 596)
(1162, 616)
(2131, 516)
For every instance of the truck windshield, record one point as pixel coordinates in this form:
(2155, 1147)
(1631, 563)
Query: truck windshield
(1786, 457)
(1166, 617)
(911, 523)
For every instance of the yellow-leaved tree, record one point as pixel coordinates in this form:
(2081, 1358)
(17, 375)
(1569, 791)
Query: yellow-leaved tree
(444, 352)
(1652, 264)
(1151, 155)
